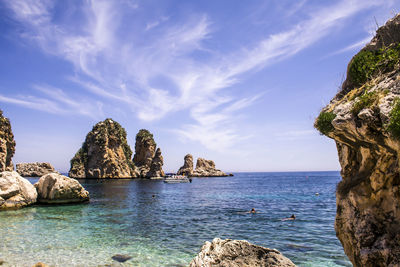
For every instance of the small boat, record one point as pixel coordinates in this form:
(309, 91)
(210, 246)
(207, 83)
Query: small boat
(174, 179)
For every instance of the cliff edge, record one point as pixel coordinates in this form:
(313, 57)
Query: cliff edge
(364, 121)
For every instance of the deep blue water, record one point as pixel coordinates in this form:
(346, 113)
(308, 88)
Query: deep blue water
(169, 229)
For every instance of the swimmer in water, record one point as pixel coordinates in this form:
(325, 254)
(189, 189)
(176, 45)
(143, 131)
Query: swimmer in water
(291, 218)
(252, 211)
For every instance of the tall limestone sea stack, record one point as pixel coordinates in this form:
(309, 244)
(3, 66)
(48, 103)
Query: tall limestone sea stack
(364, 120)
(7, 144)
(104, 154)
(147, 158)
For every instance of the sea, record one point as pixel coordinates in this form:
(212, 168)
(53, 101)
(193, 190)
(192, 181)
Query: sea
(159, 224)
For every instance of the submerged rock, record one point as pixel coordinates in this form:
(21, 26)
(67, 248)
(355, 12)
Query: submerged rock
(57, 188)
(104, 154)
(7, 144)
(146, 158)
(36, 169)
(187, 168)
(40, 264)
(15, 191)
(219, 253)
(121, 257)
(364, 121)
(204, 168)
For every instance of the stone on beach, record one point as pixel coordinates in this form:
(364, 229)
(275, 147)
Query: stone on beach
(57, 188)
(15, 191)
(240, 253)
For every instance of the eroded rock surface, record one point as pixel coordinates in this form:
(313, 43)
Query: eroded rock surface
(187, 168)
(36, 169)
(364, 120)
(204, 168)
(15, 191)
(104, 154)
(7, 144)
(57, 188)
(147, 158)
(238, 253)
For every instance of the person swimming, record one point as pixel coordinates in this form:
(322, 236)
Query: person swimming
(291, 218)
(252, 211)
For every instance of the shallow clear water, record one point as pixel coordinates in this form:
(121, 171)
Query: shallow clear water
(169, 229)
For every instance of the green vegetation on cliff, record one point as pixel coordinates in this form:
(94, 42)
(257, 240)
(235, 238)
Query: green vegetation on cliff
(364, 101)
(324, 122)
(144, 134)
(393, 126)
(101, 132)
(368, 64)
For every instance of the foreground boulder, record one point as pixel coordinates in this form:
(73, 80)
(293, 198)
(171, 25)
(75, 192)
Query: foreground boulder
(104, 154)
(57, 188)
(7, 144)
(219, 253)
(36, 169)
(15, 191)
(364, 121)
(204, 168)
(147, 158)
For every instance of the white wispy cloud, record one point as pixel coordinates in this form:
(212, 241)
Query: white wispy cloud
(163, 75)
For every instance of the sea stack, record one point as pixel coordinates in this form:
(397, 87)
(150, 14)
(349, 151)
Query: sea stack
(104, 154)
(204, 168)
(148, 159)
(35, 169)
(364, 120)
(7, 144)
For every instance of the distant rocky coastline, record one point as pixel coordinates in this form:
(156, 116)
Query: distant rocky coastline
(204, 168)
(241, 253)
(35, 169)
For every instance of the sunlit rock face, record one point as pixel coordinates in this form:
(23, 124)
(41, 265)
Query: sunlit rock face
(147, 156)
(204, 168)
(104, 154)
(220, 253)
(34, 169)
(364, 120)
(7, 144)
(15, 191)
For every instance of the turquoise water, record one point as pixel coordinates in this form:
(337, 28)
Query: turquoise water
(169, 229)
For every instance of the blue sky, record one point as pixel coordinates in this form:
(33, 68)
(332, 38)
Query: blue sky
(239, 82)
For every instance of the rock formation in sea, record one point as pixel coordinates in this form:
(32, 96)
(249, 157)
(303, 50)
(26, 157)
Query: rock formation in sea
(104, 154)
(364, 120)
(7, 144)
(35, 169)
(54, 188)
(147, 158)
(204, 168)
(219, 253)
(187, 168)
(15, 191)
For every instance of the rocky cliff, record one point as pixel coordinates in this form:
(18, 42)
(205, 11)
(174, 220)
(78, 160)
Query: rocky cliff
(7, 144)
(36, 169)
(104, 154)
(204, 168)
(220, 253)
(364, 121)
(148, 161)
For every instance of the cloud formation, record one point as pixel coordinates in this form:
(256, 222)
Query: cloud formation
(165, 74)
